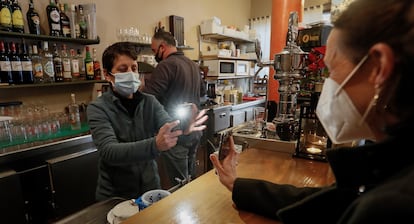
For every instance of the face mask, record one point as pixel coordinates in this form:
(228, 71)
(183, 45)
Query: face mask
(126, 83)
(158, 59)
(338, 115)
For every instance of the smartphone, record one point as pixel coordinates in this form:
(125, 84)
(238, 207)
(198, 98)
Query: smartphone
(224, 148)
(183, 113)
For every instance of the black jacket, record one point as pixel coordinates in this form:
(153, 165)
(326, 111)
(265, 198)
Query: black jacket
(374, 184)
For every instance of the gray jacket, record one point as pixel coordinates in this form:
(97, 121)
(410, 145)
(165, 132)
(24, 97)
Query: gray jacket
(126, 145)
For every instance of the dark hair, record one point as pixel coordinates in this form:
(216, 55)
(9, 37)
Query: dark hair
(167, 37)
(116, 49)
(367, 22)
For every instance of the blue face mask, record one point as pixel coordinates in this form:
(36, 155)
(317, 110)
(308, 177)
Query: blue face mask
(126, 83)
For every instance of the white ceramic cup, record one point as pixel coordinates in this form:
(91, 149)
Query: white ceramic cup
(152, 196)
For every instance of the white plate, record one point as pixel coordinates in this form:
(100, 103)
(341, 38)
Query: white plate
(110, 217)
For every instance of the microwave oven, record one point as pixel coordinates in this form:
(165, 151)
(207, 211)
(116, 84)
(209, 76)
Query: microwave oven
(221, 67)
(242, 67)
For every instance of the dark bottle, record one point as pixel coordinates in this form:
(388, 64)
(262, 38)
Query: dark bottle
(17, 17)
(64, 21)
(5, 65)
(89, 64)
(53, 17)
(27, 65)
(16, 64)
(5, 16)
(33, 19)
(57, 63)
(83, 25)
(96, 66)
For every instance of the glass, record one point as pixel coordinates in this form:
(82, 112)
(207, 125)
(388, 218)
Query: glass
(259, 117)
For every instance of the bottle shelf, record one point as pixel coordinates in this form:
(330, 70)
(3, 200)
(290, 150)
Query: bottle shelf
(5, 34)
(7, 86)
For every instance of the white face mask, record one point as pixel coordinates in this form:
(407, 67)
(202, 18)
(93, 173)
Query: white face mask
(126, 83)
(338, 115)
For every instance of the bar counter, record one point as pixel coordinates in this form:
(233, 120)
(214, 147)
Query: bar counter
(206, 200)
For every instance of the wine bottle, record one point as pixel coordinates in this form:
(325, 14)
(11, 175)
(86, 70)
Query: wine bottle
(83, 25)
(16, 64)
(74, 65)
(57, 64)
(5, 16)
(5, 65)
(17, 17)
(33, 19)
(53, 17)
(67, 75)
(27, 65)
(88, 64)
(96, 66)
(37, 65)
(74, 115)
(82, 67)
(47, 63)
(64, 21)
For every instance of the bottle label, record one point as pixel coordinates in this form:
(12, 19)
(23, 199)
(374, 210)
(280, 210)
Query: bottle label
(75, 67)
(17, 18)
(5, 16)
(16, 66)
(49, 69)
(89, 68)
(54, 16)
(5, 66)
(35, 19)
(38, 69)
(27, 66)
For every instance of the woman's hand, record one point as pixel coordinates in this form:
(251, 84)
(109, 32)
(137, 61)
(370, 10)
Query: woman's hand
(197, 120)
(166, 138)
(226, 169)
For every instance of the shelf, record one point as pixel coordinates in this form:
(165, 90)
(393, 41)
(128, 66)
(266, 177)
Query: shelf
(221, 37)
(184, 48)
(6, 86)
(228, 77)
(48, 38)
(214, 57)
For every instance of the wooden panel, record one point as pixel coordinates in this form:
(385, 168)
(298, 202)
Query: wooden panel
(177, 29)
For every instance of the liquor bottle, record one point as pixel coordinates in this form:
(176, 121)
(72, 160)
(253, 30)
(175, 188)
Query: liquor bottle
(27, 65)
(74, 65)
(89, 64)
(5, 65)
(53, 17)
(96, 66)
(74, 115)
(33, 19)
(5, 16)
(17, 17)
(47, 63)
(64, 21)
(37, 65)
(67, 75)
(82, 67)
(83, 25)
(57, 64)
(16, 64)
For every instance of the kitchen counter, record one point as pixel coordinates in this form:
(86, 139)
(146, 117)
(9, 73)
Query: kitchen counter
(206, 200)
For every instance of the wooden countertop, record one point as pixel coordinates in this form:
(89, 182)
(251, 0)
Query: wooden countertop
(206, 200)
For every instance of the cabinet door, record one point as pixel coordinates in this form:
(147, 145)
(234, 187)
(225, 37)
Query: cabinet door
(73, 181)
(11, 203)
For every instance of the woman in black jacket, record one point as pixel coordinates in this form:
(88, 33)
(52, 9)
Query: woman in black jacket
(368, 95)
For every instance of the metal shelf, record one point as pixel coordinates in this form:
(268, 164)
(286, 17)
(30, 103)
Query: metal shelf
(221, 37)
(28, 36)
(81, 82)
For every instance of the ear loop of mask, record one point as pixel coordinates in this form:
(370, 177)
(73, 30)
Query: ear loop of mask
(351, 74)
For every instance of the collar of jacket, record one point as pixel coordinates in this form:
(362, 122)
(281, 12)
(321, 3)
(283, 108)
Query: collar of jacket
(370, 164)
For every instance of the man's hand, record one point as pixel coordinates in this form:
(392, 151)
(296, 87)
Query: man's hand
(197, 120)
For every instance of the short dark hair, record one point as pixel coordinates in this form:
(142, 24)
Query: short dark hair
(167, 37)
(116, 49)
